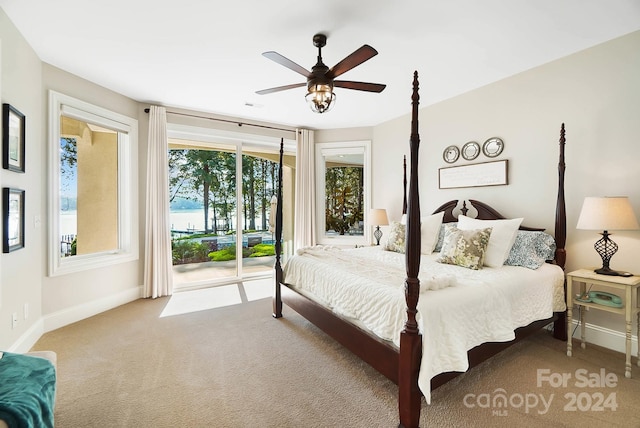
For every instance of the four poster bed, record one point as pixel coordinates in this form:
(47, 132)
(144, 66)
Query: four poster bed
(440, 320)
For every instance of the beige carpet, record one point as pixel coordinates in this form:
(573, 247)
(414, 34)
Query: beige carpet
(236, 366)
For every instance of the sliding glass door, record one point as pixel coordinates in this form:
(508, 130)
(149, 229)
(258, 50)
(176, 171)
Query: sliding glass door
(259, 184)
(222, 210)
(203, 211)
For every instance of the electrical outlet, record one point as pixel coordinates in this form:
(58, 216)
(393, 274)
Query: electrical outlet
(14, 320)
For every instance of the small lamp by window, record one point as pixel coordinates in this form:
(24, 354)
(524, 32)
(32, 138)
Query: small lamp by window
(607, 213)
(378, 217)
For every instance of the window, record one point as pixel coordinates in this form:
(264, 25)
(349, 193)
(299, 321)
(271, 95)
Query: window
(343, 199)
(93, 186)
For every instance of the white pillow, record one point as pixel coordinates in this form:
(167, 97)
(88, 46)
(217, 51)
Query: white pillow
(503, 235)
(429, 232)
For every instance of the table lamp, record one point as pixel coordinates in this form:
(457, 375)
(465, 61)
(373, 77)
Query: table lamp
(378, 217)
(607, 213)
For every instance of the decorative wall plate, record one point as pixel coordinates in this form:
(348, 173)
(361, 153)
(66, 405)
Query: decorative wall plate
(470, 150)
(493, 147)
(451, 154)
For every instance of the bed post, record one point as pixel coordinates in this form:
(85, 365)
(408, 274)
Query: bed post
(561, 216)
(277, 297)
(404, 182)
(560, 325)
(409, 397)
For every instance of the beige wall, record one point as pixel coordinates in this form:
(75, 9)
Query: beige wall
(21, 271)
(66, 298)
(342, 135)
(52, 301)
(596, 93)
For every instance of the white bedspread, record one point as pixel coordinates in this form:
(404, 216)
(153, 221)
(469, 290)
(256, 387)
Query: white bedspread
(458, 308)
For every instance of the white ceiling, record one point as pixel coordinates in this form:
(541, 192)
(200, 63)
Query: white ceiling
(206, 55)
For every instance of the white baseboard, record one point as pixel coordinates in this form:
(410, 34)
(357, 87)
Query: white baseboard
(28, 339)
(605, 337)
(76, 313)
(70, 315)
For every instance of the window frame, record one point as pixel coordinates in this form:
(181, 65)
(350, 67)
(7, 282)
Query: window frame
(128, 246)
(347, 147)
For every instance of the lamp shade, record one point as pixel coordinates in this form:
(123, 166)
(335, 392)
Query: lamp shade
(607, 213)
(378, 217)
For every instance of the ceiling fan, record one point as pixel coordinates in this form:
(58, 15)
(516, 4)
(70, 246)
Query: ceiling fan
(321, 79)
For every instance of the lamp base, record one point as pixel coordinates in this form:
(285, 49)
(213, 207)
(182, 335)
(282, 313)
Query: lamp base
(606, 248)
(610, 272)
(377, 234)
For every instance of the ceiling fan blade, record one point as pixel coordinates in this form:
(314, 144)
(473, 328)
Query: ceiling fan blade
(356, 58)
(280, 88)
(275, 56)
(359, 86)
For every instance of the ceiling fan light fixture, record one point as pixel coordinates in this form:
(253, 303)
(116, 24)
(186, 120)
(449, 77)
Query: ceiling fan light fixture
(321, 79)
(320, 97)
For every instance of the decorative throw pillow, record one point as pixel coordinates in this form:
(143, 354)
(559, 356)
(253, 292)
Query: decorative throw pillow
(429, 231)
(503, 236)
(531, 249)
(466, 248)
(395, 241)
(441, 236)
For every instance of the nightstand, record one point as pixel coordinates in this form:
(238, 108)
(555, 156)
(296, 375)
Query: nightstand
(630, 287)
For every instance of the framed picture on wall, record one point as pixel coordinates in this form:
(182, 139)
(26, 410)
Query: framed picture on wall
(13, 136)
(478, 174)
(12, 219)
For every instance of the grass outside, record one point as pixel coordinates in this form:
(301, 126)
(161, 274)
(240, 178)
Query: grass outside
(193, 251)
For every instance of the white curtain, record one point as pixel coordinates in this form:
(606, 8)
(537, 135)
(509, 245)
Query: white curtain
(305, 207)
(158, 279)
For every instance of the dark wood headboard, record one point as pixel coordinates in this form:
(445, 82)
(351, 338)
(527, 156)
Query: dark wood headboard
(485, 212)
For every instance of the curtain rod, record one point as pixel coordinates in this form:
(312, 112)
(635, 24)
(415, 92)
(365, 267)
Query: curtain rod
(226, 121)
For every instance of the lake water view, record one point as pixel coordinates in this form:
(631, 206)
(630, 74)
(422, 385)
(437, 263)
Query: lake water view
(179, 220)
(187, 220)
(194, 219)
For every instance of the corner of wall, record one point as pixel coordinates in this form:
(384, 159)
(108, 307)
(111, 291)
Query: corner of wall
(68, 316)
(29, 338)
(77, 313)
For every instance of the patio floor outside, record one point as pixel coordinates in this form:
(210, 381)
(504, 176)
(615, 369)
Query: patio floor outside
(197, 272)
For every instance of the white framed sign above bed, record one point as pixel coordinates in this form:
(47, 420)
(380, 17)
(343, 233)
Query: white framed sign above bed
(475, 175)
